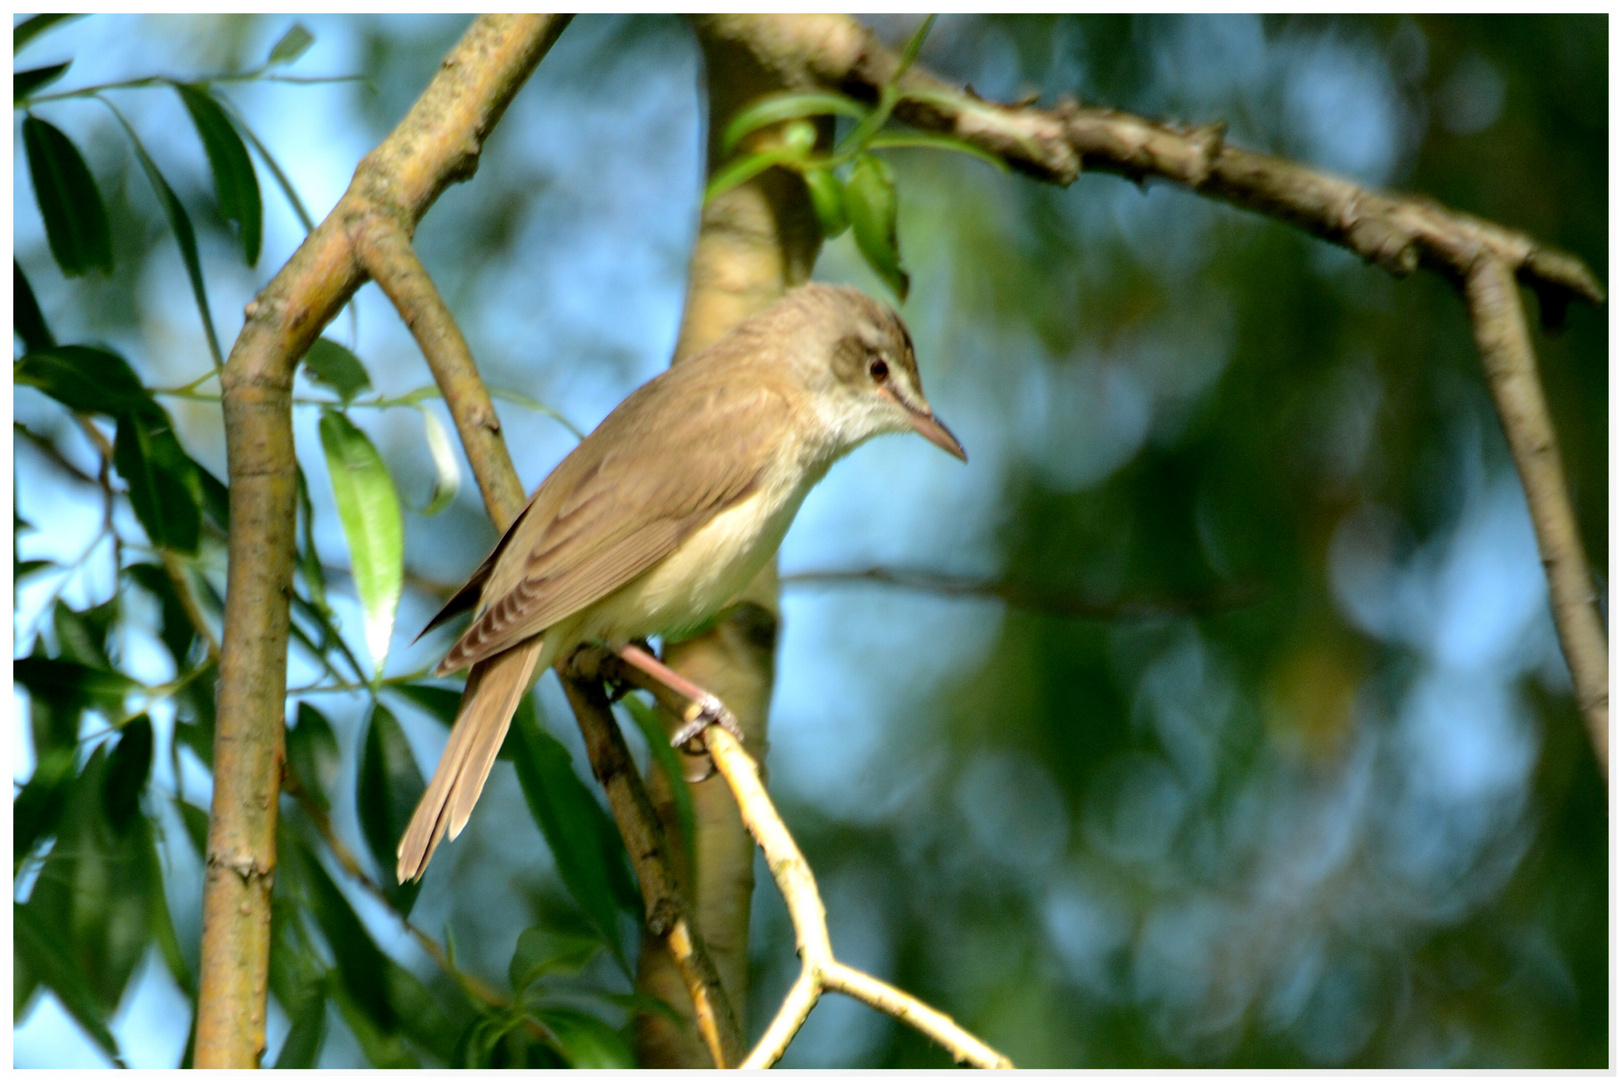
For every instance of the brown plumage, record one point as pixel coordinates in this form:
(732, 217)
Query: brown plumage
(665, 511)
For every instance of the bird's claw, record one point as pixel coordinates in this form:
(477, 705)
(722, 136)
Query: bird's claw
(703, 714)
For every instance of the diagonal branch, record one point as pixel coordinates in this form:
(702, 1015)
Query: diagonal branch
(436, 144)
(1502, 334)
(822, 971)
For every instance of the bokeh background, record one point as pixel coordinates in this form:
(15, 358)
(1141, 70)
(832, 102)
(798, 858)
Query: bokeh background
(1300, 784)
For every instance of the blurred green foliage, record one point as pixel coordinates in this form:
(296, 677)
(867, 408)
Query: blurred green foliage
(1326, 802)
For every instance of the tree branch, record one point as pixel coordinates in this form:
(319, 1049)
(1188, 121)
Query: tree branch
(436, 144)
(822, 971)
(1502, 334)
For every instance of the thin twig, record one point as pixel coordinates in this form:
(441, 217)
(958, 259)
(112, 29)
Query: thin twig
(175, 568)
(822, 971)
(1502, 334)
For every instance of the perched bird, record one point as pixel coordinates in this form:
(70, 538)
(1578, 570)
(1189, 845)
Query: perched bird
(660, 516)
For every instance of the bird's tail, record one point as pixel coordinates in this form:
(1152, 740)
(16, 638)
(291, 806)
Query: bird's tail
(494, 687)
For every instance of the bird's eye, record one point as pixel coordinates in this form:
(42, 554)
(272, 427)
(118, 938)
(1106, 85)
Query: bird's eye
(879, 370)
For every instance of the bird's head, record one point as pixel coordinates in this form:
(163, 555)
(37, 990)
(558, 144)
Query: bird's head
(860, 368)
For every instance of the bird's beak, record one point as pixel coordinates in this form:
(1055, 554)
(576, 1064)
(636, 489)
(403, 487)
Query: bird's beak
(929, 426)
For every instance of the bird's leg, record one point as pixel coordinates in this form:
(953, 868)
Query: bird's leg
(705, 708)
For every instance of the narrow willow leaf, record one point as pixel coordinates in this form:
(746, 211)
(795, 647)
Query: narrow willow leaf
(236, 185)
(293, 44)
(368, 507)
(128, 766)
(542, 951)
(331, 365)
(874, 212)
(389, 787)
(184, 234)
(280, 177)
(774, 108)
(163, 488)
(35, 25)
(575, 826)
(312, 753)
(48, 960)
(826, 195)
(163, 932)
(69, 201)
(913, 46)
(927, 141)
(301, 1048)
(24, 83)
(446, 469)
(55, 679)
(38, 806)
(85, 379)
(26, 319)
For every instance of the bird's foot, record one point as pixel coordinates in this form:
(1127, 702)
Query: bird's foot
(703, 713)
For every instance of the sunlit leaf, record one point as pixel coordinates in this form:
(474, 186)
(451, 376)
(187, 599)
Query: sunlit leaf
(236, 185)
(163, 487)
(85, 379)
(26, 319)
(330, 364)
(24, 83)
(542, 951)
(874, 212)
(368, 507)
(69, 201)
(35, 25)
(184, 235)
(446, 469)
(589, 854)
(48, 960)
(389, 787)
(293, 44)
(789, 105)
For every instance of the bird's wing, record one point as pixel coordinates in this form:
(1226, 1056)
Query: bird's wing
(674, 454)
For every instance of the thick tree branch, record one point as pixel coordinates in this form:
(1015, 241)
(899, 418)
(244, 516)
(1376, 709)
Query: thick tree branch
(1502, 334)
(435, 145)
(822, 971)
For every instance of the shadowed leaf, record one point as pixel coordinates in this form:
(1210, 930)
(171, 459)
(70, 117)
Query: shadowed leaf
(85, 379)
(69, 201)
(389, 787)
(331, 365)
(236, 186)
(24, 83)
(163, 486)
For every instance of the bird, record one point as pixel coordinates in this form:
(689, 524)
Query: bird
(663, 514)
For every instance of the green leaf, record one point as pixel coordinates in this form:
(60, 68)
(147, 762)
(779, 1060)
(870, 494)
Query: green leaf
(293, 44)
(163, 487)
(313, 754)
(668, 759)
(69, 201)
(368, 507)
(24, 83)
(58, 680)
(82, 635)
(331, 365)
(923, 140)
(301, 1048)
(236, 185)
(163, 932)
(276, 172)
(38, 806)
(26, 319)
(195, 820)
(788, 105)
(35, 25)
(826, 195)
(360, 964)
(541, 951)
(48, 960)
(128, 766)
(874, 211)
(384, 1049)
(85, 379)
(175, 629)
(389, 787)
(589, 854)
(587, 1043)
(184, 234)
(913, 47)
(446, 469)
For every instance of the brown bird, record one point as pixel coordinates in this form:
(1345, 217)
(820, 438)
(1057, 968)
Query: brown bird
(660, 516)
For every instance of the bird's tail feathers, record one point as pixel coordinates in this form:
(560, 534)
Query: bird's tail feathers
(494, 688)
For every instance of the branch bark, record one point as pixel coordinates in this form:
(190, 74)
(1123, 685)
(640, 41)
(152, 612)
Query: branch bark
(436, 144)
(1502, 334)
